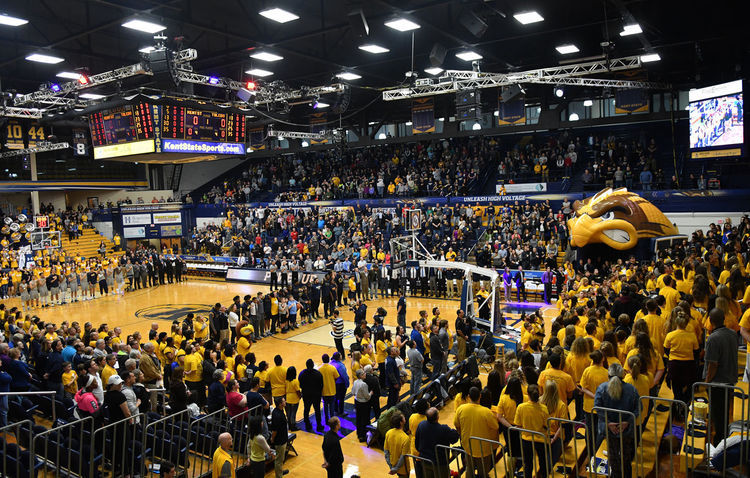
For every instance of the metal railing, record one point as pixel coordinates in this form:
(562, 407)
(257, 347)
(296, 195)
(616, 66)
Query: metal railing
(530, 453)
(12, 459)
(621, 445)
(204, 434)
(451, 454)
(120, 447)
(652, 404)
(720, 402)
(498, 453)
(67, 449)
(166, 439)
(424, 467)
(53, 410)
(567, 435)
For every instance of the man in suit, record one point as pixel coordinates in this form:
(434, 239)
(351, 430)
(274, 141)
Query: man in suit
(520, 279)
(547, 283)
(332, 455)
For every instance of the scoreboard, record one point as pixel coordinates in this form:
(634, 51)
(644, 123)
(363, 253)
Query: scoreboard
(143, 127)
(123, 124)
(185, 123)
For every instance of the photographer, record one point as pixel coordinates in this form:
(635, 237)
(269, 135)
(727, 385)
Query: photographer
(360, 311)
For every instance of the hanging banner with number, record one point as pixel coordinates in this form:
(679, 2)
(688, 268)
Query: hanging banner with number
(14, 135)
(422, 116)
(258, 138)
(80, 142)
(35, 134)
(318, 125)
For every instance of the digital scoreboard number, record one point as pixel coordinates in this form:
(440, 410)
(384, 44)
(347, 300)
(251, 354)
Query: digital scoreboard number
(121, 125)
(179, 122)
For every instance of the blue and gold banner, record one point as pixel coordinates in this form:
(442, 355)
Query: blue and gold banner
(258, 138)
(422, 116)
(631, 101)
(318, 125)
(511, 112)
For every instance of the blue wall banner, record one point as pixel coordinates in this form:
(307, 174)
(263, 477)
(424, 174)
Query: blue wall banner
(511, 112)
(258, 138)
(422, 115)
(631, 101)
(318, 125)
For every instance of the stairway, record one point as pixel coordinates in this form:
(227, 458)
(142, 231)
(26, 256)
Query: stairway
(87, 244)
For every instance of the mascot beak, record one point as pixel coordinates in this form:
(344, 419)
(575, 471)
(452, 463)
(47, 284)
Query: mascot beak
(617, 234)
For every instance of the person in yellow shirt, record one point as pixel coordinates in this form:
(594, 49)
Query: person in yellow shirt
(293, 395)
(650, 360)
(223, 465)
(576, 362)
(564, 381)
(194, 374)
(474, 420)
(641, 380)
(244, 343)
(671, 296)
(682, 348)
(69, 380)
(396, 447)
(419, 415)
(532, 415)
(559, 435)
(656, 325)
(593, 376)
(109, 368)
(330, 374)
(200, 327)
(277, 378)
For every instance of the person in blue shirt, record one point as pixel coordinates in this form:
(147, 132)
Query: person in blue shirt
(69, 351)
(292, 306)
(342, 384)
(619, 427)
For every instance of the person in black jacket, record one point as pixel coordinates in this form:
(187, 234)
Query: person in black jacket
(311, 383)
(54, 369)
(279, 435)
(436, 352)
(332, 455)
(392, 377)
(428, 435)
(373, 384)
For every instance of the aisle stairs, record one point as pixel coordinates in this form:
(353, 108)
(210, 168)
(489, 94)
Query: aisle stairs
(87, 244)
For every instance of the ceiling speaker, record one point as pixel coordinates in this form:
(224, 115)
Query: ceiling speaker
(510, 92)
(473, 23)
(437, 54)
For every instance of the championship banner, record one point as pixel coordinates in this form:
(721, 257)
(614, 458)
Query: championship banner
(511, 112)
(631, 101)
(422, 116)
(14, 135)
(318, 125)
(258, 138)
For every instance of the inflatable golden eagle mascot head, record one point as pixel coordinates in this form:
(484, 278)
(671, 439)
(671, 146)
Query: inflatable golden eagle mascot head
(617, 218)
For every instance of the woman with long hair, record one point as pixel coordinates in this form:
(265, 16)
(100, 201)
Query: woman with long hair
(258, 447)
(575, 363)
(293, 395)
(532, 415)
(381, 353)
(608, 351)
(593, 376)
(619, 427)
(495, 384)
(732, 310)
(556, 409)
(682, 348)
(511, 397)
(641, 380)
(649, 359)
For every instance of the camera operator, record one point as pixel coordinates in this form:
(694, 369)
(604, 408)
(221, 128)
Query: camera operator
(360, 311)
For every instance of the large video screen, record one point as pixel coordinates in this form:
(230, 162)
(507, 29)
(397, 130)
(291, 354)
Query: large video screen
(717, 121)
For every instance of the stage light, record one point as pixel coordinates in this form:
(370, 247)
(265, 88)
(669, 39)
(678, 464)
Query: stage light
(650, 57)
(9, 21)
(91, 96)
(375, 49)
(524, 18)
(305, 144)
(83, 79)
(259, 72)
(469, 55)
(476, 126)
(42, 58)
(278, 15)
(147, 49)
(408, 123)
(559, 92)
(250, 85)
(573, 117)
(588, 103)
(382, 136)
(433, 71)
(144, 26)
(213, 80)
(54, 87)
(566, 49)
(348, 76)
(632, 29)
(320, 105)
(402, 24)
(266, 56)
(68, 75)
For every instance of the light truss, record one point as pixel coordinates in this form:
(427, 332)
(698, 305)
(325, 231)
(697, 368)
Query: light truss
(36, 149)
(299, 134)
(456, 80)
(15, 112)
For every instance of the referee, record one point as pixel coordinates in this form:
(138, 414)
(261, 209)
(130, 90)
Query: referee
(337, 324)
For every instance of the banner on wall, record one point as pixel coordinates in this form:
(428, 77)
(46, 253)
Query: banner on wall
(134, 232)
(522, 188)
(511, 112)
(263, 276)
(171, 231)
(258, 138)
(631, 101)
(167, 217)
(318, 125)
(136, 219)
(422, 115)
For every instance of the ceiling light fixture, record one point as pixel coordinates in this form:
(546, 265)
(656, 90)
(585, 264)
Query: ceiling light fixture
(524, 18)
(68, 75)
(433, 71)
(468, 55)
(573, 117)
(147, 49)
(588, 103)
(408, 123)
(259, 72)
(476, 126)
(567, 49)
(382, 136)
(9, 21)
(144, 26)
(632, 29)
(213, 80)
(91, 96)
(559, 92)
(41, 58)
(305, 144)
(402, 24)
(375, 49)
(279, 15)
(348, 76)
(650, 57)
(266, 56)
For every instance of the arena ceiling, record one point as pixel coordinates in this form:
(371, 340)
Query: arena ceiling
(696, 45)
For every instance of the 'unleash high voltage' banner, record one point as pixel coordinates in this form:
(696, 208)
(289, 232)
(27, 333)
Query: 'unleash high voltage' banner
(422, 115)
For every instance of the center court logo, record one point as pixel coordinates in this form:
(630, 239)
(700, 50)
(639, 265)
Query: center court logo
(172, 312)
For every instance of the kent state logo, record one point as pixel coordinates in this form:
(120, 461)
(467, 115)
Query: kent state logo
(172, 312)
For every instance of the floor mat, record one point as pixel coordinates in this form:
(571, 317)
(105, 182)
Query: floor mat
(348, 424)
